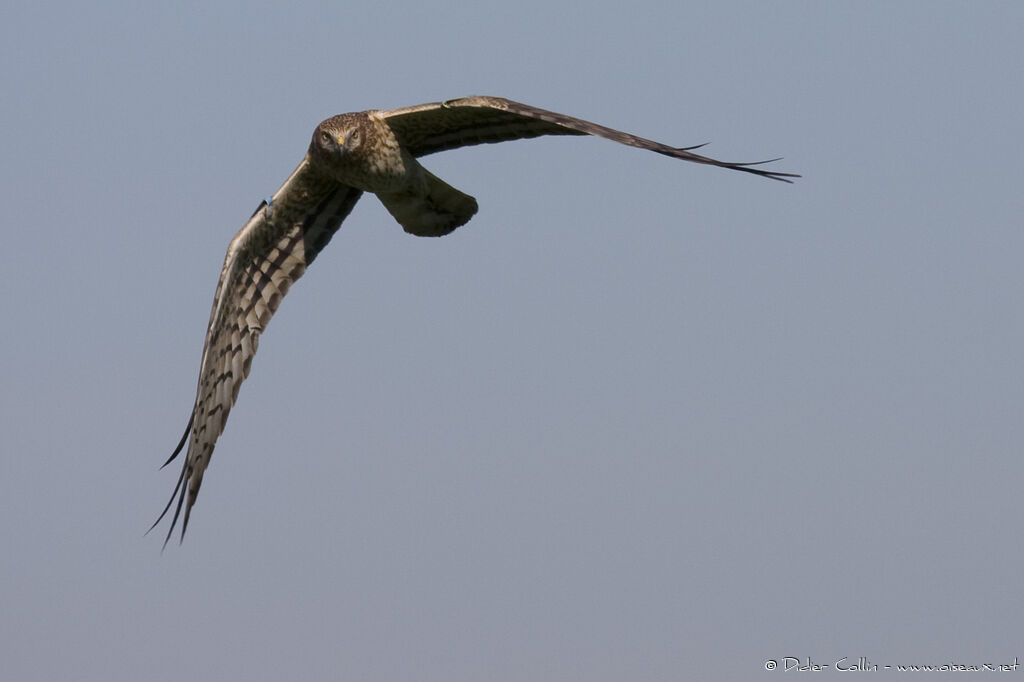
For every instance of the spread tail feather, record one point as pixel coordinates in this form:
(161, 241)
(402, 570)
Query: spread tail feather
(435, 214)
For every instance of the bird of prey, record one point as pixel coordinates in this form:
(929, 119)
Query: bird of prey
(369, 151)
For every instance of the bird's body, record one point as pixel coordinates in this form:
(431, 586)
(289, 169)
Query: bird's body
(370, 151)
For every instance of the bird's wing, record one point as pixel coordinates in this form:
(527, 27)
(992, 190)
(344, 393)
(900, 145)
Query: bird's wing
(274, 248)
(438, 126)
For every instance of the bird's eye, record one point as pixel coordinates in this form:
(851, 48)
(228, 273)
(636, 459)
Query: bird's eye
(325, 137)
(354, 136)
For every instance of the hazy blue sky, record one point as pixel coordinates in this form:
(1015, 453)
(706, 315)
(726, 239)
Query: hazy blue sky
(639, 420)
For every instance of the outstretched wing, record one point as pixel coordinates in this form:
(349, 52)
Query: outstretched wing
(438, 126)
(274, 248)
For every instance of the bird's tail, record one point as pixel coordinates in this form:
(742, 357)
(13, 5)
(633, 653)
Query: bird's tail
(438, 212)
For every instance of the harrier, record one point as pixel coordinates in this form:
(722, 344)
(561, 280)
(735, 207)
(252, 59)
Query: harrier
(369, 151)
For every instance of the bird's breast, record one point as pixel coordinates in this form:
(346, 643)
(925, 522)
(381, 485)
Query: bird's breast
(379, 165)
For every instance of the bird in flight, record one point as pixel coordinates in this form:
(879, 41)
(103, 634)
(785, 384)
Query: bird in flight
(368, 151)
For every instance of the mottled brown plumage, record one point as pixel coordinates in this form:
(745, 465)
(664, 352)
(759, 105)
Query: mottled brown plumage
(370, 151)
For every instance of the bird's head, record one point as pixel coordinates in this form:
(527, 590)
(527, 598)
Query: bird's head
(336, 138)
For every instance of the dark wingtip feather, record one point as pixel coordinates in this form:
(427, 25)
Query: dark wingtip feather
(774, 175)
(175, 493)
(179, 488)
(181, 443)
(747, 167)
(177, 509)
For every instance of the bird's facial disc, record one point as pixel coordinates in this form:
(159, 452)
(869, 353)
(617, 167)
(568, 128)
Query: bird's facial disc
(331, 141)
(340, 142)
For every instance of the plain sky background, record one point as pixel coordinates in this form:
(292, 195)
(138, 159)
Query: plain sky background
(638, 420)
